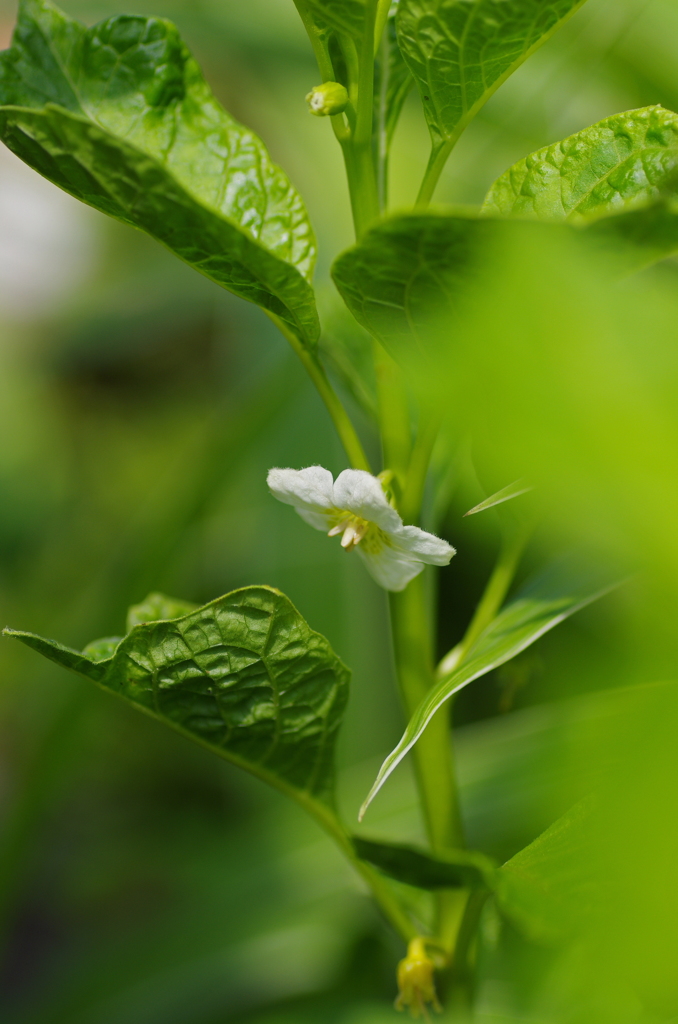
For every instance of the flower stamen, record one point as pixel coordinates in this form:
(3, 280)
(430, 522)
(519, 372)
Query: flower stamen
(353, 530)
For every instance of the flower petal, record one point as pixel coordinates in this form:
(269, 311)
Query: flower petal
(361, 493)
(390, 568)
(422, 545)
(308, 490)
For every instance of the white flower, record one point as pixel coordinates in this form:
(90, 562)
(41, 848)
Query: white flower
(355, 506)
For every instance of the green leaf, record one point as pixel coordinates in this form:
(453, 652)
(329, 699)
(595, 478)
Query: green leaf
(408, 269)
(120, 116)
(513, 490)
(454, 870)
(393, 82)
(460, 51)
(550, 884)
(158, 606)
(245, 676)
(625, 160)
(638, 238)
(538, 608)
(344, 16)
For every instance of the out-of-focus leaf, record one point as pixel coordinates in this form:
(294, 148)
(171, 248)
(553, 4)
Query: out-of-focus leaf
(460, 52)
(638, 238)
(538, 608)
(513, 490)
(245, 676)
(626, 159)
(549, 885)
(409, 269)
(120, 116)
(465, 869)
(158, 606)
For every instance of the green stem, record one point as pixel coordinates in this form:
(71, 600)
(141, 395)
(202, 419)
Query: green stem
(394, 419)
(358, 156)
(380, 888)
(460, 992)
(434, 768)
(362, 184)
(382, 133)
(345, 429)
(417, 470)
(317, 42)
(434, 169)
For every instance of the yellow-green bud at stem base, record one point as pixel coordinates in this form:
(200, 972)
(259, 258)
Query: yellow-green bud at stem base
(328, 98)
(415, 981)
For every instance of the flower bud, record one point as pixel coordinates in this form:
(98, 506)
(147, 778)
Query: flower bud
(328, 98)
(415, 981)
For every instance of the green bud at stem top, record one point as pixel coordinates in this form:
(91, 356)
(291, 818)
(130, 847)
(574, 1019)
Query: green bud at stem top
(328, 98)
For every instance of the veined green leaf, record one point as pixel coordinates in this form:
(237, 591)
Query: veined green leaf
(411, 268)
(120, 116)
(245, 676)
(346, 16)
(625, 160)
(513, 490)
(538, 608)
(460, 51)
(157, 606)
(546, 886)
(456, 869)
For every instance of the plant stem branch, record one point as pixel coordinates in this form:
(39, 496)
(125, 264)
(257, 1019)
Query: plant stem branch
(345, 429)
(434, 768)
(417, 470)
(381, 889)
(394, 419)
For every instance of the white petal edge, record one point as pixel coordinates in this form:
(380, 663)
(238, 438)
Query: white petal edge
(391, 569)
(307, 489)
(422, 545)
(359, 492)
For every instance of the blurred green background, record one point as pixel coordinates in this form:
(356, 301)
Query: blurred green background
(141, 880)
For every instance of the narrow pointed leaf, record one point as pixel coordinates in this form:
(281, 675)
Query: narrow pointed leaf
(535, 611)
(513, 490)
(244, 676)
(120, 116)
(457, 869)
(460, 51)
(624, 161)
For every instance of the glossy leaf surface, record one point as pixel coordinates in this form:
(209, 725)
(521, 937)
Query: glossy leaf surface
(463, 869)
(244, 675)
(120, 116)
(625, 160)
(536, 610)
(460, 51)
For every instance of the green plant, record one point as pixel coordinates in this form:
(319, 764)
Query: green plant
(120, 116)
